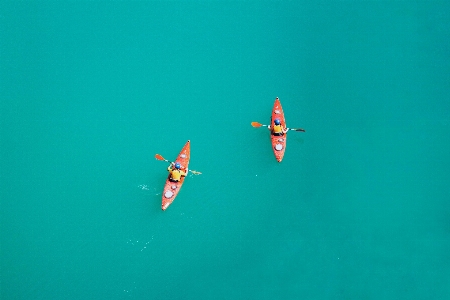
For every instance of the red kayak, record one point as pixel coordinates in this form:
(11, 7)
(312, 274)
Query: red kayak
(278, 142)
(171, 189)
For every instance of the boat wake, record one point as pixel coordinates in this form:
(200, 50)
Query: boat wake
(145, 187)
(141, 245)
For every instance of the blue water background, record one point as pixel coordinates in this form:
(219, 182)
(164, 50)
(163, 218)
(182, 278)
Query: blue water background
(358, 209)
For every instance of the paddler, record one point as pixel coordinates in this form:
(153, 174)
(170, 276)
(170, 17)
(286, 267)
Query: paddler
(277, 129)
(176, 172)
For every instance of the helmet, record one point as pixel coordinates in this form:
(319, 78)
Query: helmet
(177, 165)
(277, 122)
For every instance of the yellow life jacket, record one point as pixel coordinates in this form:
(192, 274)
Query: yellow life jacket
(277, 129)
(176, 175)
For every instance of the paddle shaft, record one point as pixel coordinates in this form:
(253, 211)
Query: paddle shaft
(287, 129)
(159, 157)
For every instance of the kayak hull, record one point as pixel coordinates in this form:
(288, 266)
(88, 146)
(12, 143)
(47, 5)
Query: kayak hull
(278, 142)
(171, 189)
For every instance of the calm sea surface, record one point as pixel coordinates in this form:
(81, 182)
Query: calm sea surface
(358, 209)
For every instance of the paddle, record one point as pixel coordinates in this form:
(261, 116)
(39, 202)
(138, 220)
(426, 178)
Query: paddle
(159, 157)
(256, 124)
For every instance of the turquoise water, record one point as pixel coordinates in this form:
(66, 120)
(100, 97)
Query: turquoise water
(358, 209)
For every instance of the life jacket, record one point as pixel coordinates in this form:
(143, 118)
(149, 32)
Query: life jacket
(176, 175)
(277, 129)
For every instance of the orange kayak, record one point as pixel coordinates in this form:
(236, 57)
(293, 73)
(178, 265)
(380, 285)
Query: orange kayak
(171, 189)
(278, 142)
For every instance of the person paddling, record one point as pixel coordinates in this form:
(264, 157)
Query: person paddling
(176, 172)
(277, 129)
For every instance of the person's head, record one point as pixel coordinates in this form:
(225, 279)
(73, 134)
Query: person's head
(277, 122)
(177, 165)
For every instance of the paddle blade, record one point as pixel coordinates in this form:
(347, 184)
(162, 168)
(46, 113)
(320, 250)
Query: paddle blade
(195, 172)
(256, 124)
(297, 129)
(159, 157)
